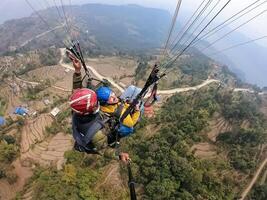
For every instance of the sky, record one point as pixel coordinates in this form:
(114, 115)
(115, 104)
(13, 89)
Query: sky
(18, 8)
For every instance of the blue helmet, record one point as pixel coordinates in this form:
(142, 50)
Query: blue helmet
(103, 94)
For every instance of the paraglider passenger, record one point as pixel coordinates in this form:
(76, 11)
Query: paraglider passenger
(110, 104)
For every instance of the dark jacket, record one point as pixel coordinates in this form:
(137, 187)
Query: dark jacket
(87, 129)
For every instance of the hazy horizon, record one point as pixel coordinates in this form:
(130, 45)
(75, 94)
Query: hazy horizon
(254, 29)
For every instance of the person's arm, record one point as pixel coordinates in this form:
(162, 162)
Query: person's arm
(77, 76)
(131, 119)
(77, 81)
(100, 142)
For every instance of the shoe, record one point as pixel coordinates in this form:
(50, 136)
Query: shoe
(78, 147)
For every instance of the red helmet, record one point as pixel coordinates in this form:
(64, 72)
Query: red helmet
(84, 101)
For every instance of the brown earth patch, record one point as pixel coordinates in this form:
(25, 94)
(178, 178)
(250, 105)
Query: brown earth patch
(127, 81)
(245, 124)
(111, 181)
(50, 152)
(217, 126)
(115, 67)
(52, 73)
(204, 150)
(11, 99)
(34, 131)
(8, 191)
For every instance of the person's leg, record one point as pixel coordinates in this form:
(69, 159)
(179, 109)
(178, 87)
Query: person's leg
(78, 147)
(91, 149)
(113, 138)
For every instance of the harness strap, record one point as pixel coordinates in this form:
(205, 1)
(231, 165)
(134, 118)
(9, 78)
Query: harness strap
(118, 111)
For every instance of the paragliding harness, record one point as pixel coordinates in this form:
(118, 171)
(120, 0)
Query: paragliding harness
(83, 138)
(113, 136)
(96, 124)
(153, 96)
(152, 79)
(75, 49)
(118, 129)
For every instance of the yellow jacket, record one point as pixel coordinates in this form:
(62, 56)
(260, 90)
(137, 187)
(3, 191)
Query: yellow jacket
(129, 121)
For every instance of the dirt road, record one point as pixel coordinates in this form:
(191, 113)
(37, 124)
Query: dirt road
(244, 90)
(163, 92)
(41, 35)
(254, 179)
(37, 83)
(179, 90)
(99, 76)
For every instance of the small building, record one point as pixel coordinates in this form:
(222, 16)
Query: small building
(34, 114)
(2, 121)
(55, 111)
(47, 102)
(21, 111)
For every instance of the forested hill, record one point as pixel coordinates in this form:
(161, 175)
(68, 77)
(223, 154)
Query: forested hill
(101, 27)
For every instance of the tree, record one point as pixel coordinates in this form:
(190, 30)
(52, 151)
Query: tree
(8, 152)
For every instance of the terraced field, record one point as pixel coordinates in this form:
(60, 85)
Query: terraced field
(37, 148)
(27, 195)
(217, 126)
(41, 150)
(11, 99)
(33, 132)
(50, 152)
(204, 150)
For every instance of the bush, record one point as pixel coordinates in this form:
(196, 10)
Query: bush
(27, 67)
(2, 173)
(71, 183)
(8, 153)
(243, 137)
(141, 70)
(241, 160)
(2, 106)
(11, 177)
(49, 57)
(259, 192)
(53, 129)
(9, 139)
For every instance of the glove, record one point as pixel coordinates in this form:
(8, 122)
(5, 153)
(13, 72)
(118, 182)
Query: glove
(106, 82)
